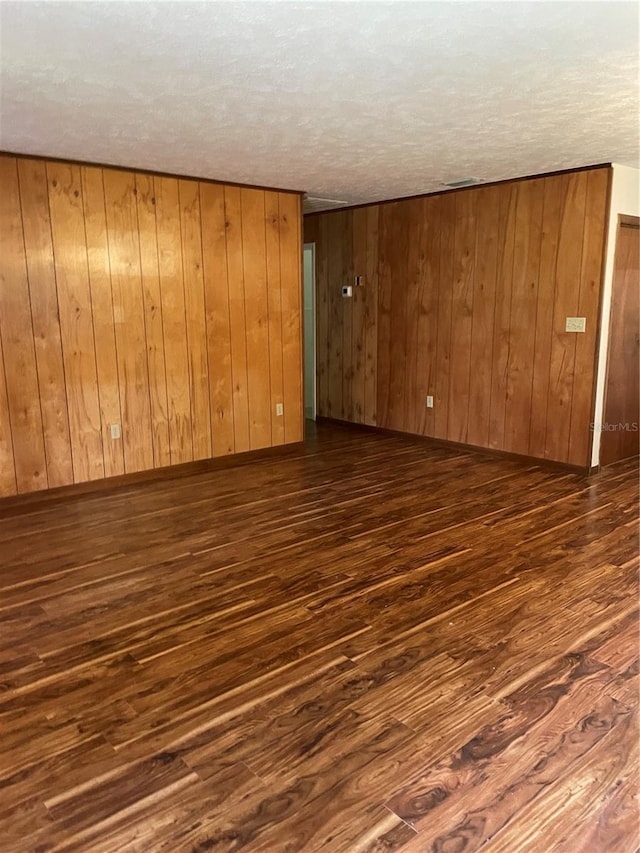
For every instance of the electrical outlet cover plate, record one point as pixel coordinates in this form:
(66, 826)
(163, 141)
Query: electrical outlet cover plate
(575, 324)
(347, 290)
(429, 402)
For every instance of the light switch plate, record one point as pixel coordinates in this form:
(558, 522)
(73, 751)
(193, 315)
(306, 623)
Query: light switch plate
(115, 431)
(429, 402)
(575, 324)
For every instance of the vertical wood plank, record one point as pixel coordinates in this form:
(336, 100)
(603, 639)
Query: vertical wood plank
(274, 299)
(551, 215)
(290, 270)
(371, 318)
(254, 263)
(462, 315)
(384, 315)
(397, 236)
(524, 297)
(484, 303)
(358, 314)
(233, 212)
(504, 279)
(76, 319)
(335, 316)
(415, 250)
(191, 234)
(46, 325)
(429, 275)
(8, 484)
(98, 263)
(445, 307)
(563, 344)
(622, 391)
(173, 319)
(153, 325)
(323, 342)
(346, 278)
(214, 257)
(583, 391)
(128, 311)
(17, 342)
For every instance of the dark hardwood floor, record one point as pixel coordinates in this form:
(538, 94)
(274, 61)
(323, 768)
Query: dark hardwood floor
(367, 645)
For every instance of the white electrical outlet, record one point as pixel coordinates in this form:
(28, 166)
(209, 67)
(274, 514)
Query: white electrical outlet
(575, 324)
(429, 402)
(115, 431)
(279, 409)
(347, 290)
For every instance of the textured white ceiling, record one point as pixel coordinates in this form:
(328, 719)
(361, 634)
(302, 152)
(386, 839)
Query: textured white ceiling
(356, 101)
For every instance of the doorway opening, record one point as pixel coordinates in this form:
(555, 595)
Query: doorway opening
(309, 327)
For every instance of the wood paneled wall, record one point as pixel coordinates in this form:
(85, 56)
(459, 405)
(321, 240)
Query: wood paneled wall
(171, 307)
(465, 297)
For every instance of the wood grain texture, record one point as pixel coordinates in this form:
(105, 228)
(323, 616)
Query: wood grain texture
(115, 313)
(191, 238)
(216, 294)
(362, 644)
(551, 225)
(129, 316)
(76, 319)
(502, 322)
(427, 313)
(174, 319)
(291, 300)
(358, 320)
(593, 245)
(414, 372)
(371, 318)
(274, 309)
(153, 319)
(20, 369)
(345, 274)
(444, 344)
(395, 240)
(622, 403)
(467, 301)
(567, 290)
(104, 327)
(323, 306)
(237, 318)
(524, 298)
(254, 260)
(334, 341)
(44, 316)
(8, 484)
(484, 309)
(462, 315)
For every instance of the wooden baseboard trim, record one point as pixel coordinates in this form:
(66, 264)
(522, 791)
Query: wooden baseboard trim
(467, 448)
(93, 488)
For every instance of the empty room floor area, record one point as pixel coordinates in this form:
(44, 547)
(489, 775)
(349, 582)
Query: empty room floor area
(363, 643)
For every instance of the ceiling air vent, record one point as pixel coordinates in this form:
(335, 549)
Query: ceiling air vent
(465, 182)
(313, 204)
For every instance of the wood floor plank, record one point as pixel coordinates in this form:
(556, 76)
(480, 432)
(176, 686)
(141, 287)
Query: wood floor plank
(365, 644)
